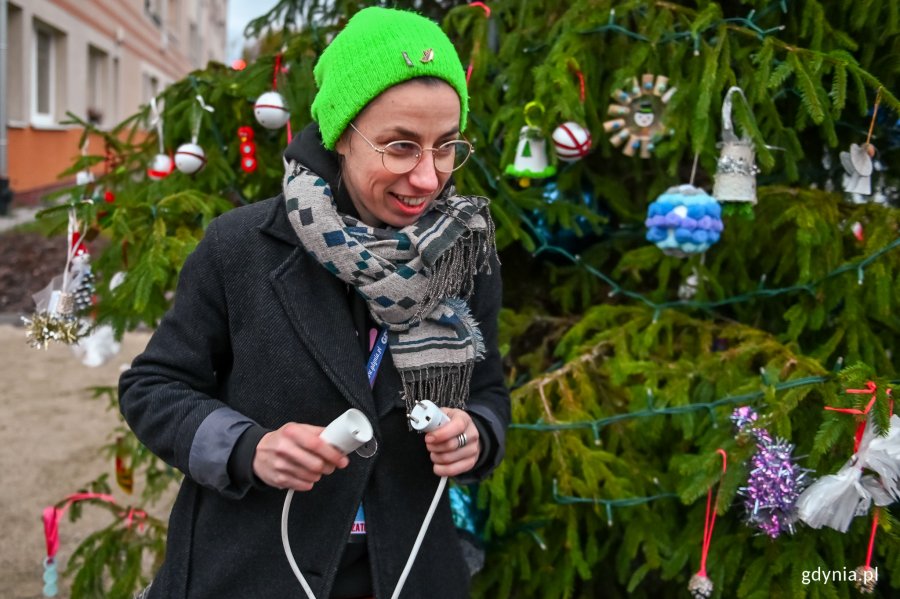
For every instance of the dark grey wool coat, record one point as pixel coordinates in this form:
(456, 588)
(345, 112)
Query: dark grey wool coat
(260, 335)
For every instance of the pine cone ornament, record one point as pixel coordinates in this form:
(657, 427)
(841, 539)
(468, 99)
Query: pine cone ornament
(700, 586)
(866, 579)
(85, 293)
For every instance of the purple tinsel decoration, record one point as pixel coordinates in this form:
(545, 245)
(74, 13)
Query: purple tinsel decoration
(775, 481)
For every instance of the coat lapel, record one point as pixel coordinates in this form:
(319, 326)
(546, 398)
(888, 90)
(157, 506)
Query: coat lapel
(316, 305)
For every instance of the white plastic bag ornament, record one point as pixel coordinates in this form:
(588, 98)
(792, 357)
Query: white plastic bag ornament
(736, 168)
(836, 499)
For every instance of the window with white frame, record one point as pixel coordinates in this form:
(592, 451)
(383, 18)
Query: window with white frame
(153, 9)
(150, 87)
(44, 76)
(97, 84)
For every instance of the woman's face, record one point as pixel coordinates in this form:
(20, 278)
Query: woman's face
(426, 113)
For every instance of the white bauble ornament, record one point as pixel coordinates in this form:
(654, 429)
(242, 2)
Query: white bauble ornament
(160, 167)
(190, 158)
(572, 141)
(270, 111)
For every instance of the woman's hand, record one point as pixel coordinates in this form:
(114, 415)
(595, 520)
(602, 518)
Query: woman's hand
(294, 457)
(449, 457)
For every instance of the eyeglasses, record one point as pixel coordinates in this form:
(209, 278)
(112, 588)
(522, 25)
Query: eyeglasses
(400, 157)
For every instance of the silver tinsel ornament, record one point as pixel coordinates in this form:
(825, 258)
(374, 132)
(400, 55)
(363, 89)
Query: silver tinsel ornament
(700, 586)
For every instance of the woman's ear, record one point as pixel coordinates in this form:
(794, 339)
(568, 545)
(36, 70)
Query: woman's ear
(342, 146)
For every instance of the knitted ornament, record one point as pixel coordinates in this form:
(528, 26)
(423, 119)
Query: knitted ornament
(572, 141)
(379, 48)
(684, 220)
(270, 111)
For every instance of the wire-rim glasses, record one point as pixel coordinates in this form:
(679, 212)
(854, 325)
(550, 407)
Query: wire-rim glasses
(402, 156)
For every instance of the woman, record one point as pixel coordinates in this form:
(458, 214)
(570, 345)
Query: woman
(269, 340)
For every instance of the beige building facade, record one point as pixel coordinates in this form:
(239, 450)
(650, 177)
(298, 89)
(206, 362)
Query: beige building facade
(99, 59)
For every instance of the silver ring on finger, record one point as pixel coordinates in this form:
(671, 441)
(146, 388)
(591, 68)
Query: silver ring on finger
(461, 440)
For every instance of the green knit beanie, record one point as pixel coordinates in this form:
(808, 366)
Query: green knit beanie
(379, 48)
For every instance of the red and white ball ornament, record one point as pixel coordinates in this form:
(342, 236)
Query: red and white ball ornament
(572, 141)
(190, 158)
(160, 167)
(270, 110)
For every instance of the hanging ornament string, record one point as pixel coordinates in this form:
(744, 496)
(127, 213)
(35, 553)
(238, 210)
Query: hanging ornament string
(573, 66)
(477, 45)
(871, 389)
(74, 235)
(276, 71)
(700, 586)
(529, 109)
(197, 116)
(156, 121)
(872, 539)
(874, 114)
(51, 517)
(710, 520)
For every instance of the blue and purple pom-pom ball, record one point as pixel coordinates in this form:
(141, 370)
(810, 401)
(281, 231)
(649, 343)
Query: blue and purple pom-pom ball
(684, 220)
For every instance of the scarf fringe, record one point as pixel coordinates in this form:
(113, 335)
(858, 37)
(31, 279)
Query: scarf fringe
(447, 386)
(453, 275)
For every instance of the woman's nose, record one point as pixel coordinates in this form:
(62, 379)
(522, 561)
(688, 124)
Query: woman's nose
(425, 177)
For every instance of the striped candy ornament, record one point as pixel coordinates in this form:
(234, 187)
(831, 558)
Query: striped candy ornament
(572, 141)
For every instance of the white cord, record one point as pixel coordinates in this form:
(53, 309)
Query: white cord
(409, 562)
(418, 543)
(287, 544)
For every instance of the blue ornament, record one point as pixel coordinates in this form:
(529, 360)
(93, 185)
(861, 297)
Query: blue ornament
(684, 220)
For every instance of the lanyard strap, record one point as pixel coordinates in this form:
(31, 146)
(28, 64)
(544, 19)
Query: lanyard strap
(378, 348)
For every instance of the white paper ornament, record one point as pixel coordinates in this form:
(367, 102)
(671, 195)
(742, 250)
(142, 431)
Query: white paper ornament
(572, 141)
(858, 168)
(160, 167)
(189, 158)
(270, 111)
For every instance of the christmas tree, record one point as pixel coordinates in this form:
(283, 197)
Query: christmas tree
(625, 360)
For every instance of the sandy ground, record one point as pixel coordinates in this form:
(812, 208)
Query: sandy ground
(51, 432)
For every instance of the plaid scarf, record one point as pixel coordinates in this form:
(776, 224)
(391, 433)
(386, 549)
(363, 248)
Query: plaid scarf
(416, 280)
